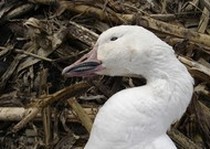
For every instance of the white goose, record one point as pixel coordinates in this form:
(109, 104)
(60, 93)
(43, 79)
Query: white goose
(136, 118)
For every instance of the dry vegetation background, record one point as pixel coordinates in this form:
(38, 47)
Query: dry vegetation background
(39, 108)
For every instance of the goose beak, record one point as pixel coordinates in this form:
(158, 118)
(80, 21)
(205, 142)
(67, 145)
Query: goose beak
(88, 65)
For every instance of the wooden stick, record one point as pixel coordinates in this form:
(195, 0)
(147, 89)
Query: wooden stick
(33, 55)
(140, 19)
(11, 113)
(173, 30)
(196, 69)
(83, 116)
(40, 103)
(182, 140)
(17, 113)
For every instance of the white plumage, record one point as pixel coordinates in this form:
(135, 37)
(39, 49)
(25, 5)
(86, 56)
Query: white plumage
(136, 118)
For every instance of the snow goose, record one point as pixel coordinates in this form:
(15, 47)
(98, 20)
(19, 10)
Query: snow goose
(136, 118)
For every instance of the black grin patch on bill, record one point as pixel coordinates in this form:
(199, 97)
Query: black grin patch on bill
(86, 66)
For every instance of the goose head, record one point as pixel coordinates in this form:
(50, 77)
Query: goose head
(124, 50)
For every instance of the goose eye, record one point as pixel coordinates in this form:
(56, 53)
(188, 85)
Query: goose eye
(114, 38)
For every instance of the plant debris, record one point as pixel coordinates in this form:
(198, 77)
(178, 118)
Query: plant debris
(39, 108)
